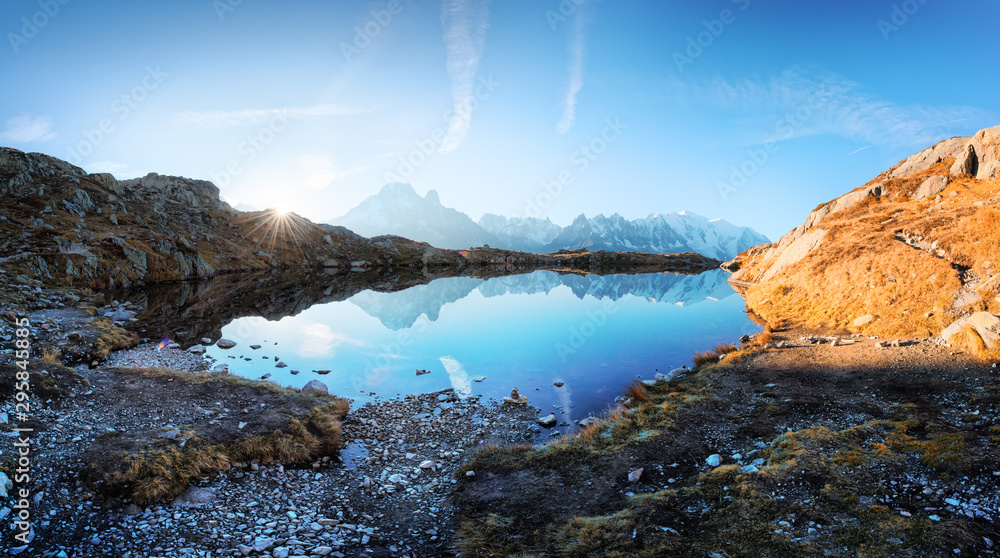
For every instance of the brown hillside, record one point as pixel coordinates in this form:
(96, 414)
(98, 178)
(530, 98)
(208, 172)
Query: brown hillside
(65, 227)
(916, 249)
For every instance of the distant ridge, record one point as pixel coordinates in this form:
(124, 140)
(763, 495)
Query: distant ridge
(397, 209)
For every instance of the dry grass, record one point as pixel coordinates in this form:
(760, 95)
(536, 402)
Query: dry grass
(863, 266)
(144, 467)
(111, 338)
(712, 356)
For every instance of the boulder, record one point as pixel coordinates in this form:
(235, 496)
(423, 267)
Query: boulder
(843, 202)
(316, 386)
(965, 163)
(120, 315)
(863, 320)
(985, 324)
(928, 157)
(986, 145)
(931, 187)
(195, 496)
(548, 421)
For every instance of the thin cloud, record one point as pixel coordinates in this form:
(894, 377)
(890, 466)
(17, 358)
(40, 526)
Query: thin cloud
(224, 119)
(858, 150)
(465, 24)
(319, 340)
(797, 104)
(319, 171)
(27, 128)
(575, 75)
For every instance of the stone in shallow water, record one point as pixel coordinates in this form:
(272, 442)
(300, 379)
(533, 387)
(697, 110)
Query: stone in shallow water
(225, 344)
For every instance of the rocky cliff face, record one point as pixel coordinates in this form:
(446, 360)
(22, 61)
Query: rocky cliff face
(908, 253)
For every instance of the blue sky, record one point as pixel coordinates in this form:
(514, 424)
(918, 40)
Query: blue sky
(540, 108)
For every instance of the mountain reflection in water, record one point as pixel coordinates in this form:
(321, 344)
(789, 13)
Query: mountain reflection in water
(594, 334)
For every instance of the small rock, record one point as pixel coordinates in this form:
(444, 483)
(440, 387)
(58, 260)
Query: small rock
(195, 496)
(421, 372)
(863, 320)
(479, 379)
(714, 460)
(558, 384)
(515, 398)
(316, 386)
(225, 344)
(206, 341)
(634, 476)
(281, 365)
(427, 464)
(255, 347)
(548, 421)
(197, 349)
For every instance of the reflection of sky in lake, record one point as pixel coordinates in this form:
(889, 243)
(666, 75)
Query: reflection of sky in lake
(595, 334)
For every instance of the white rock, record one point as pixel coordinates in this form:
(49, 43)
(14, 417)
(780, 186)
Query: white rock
(428, 464)
(863, 320)
(634, 476)
(714, 460)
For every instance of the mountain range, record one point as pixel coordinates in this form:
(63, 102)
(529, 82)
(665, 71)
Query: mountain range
(401, 309)
(398, 210)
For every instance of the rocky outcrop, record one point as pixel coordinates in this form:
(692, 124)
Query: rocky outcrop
(67, 227)
(914, 246)
(931, 187)
(924, 160)
(980, 156)
(160, 189)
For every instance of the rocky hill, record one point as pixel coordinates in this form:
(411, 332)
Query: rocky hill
(914, 252)
(67, 227)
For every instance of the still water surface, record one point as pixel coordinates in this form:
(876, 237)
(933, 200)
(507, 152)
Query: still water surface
(594, 334)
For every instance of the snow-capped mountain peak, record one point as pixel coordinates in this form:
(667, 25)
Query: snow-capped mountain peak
(398, 209)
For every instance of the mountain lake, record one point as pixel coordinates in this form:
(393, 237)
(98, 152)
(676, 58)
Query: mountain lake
(570, 343)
